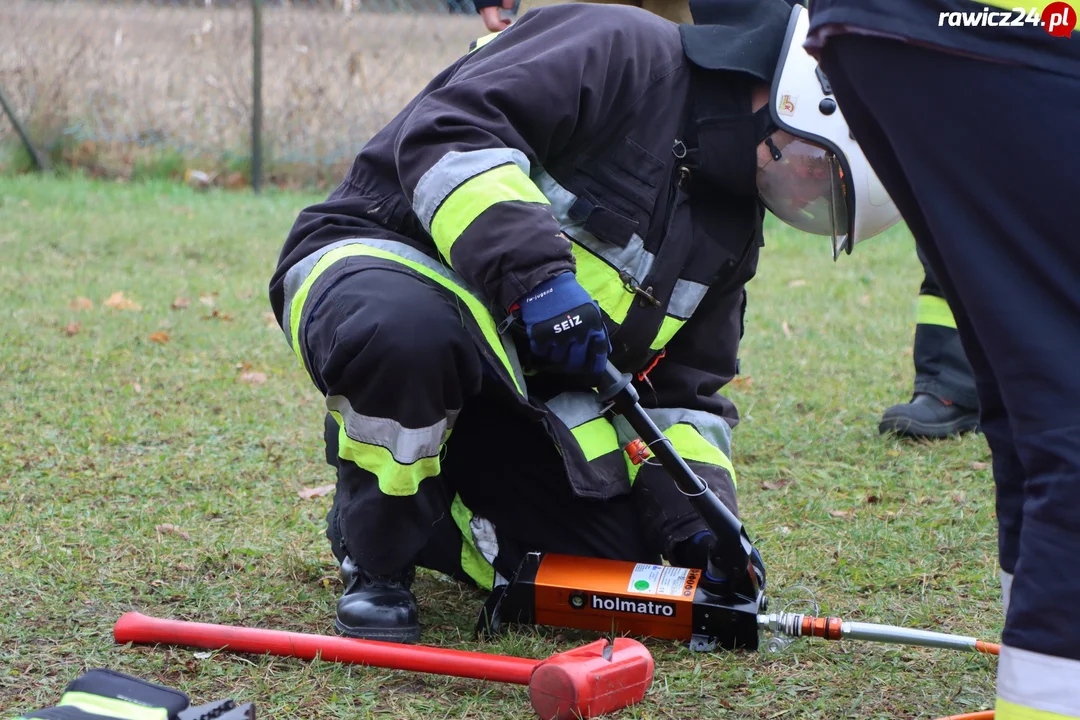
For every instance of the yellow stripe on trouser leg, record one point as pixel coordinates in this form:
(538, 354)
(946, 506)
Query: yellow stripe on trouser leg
(394, 478)
(596, 438)
(501, 184)
(1005, 710)
(479, 312)
(933, 310)
(690, 445)
(473, 561)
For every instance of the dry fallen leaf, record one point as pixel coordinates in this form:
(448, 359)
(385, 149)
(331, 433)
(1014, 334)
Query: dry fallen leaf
(270, 319)
(159, 337)
(217, 315)
(314, 492)
(255, 378)
(872, 499)
(243, 367)
(775, 484)
(81, 303)
(796, 283)
(865, 300)
(979, 465)
(785, 328)
(208, 300)
(170, 528)
(72, 328)
(742, 381)
(841, 513)
(117, 301)
(180, 303)
(136, 387)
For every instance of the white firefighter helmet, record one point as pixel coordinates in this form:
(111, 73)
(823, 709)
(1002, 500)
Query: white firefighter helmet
(818, 181)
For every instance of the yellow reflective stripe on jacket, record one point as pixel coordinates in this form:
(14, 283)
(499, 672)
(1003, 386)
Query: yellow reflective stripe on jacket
(603, 284)
(394, 478)
(582, 413)
(506, 183)
(482, 41)
(604, 268)
(473, 561)
(668, 328)
(358, 248)
(111, 707)
(933, 310)
(596, 438)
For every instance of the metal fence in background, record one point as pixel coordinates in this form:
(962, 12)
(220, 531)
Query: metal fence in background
(110, 85)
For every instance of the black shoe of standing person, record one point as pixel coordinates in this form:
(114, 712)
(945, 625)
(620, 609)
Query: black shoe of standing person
(926, 416)
(377, 607)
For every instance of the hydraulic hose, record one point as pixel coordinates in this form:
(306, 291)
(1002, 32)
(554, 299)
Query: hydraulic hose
(833, 628)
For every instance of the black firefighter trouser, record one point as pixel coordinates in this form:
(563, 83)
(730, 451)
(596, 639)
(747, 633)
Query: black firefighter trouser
(981, 161)
(941, 367)
(383, 343)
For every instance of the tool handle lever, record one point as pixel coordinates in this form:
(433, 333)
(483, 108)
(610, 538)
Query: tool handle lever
(731, 553)
(138, 628)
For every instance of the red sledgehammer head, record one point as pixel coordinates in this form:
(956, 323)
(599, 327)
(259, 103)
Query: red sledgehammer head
(583, 683)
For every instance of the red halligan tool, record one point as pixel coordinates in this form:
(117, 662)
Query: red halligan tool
(585, 682)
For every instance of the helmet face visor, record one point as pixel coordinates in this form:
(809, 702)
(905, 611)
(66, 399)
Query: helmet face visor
(804, 188)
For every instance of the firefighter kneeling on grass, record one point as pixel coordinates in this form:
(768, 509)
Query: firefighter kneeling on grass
(587, 184)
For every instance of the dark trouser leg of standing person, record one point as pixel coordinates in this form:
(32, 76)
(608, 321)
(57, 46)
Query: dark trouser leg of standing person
(944, 402)
(980, 160)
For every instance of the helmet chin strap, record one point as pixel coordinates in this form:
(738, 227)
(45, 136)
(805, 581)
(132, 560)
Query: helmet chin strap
(764, 126)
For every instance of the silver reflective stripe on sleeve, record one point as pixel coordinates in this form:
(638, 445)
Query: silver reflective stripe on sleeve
(633, 259)
(453, 169)
(407, 445)
(685, 298)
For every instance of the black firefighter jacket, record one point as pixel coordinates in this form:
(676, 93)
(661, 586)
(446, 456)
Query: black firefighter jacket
(581, 138)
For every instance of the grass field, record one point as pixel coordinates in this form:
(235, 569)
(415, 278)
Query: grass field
(152, 450)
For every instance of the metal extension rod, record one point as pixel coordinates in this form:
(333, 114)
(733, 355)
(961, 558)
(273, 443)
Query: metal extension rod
(833, 628)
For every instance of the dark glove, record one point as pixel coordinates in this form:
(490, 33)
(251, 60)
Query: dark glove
(694, 553)
(565, 328)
